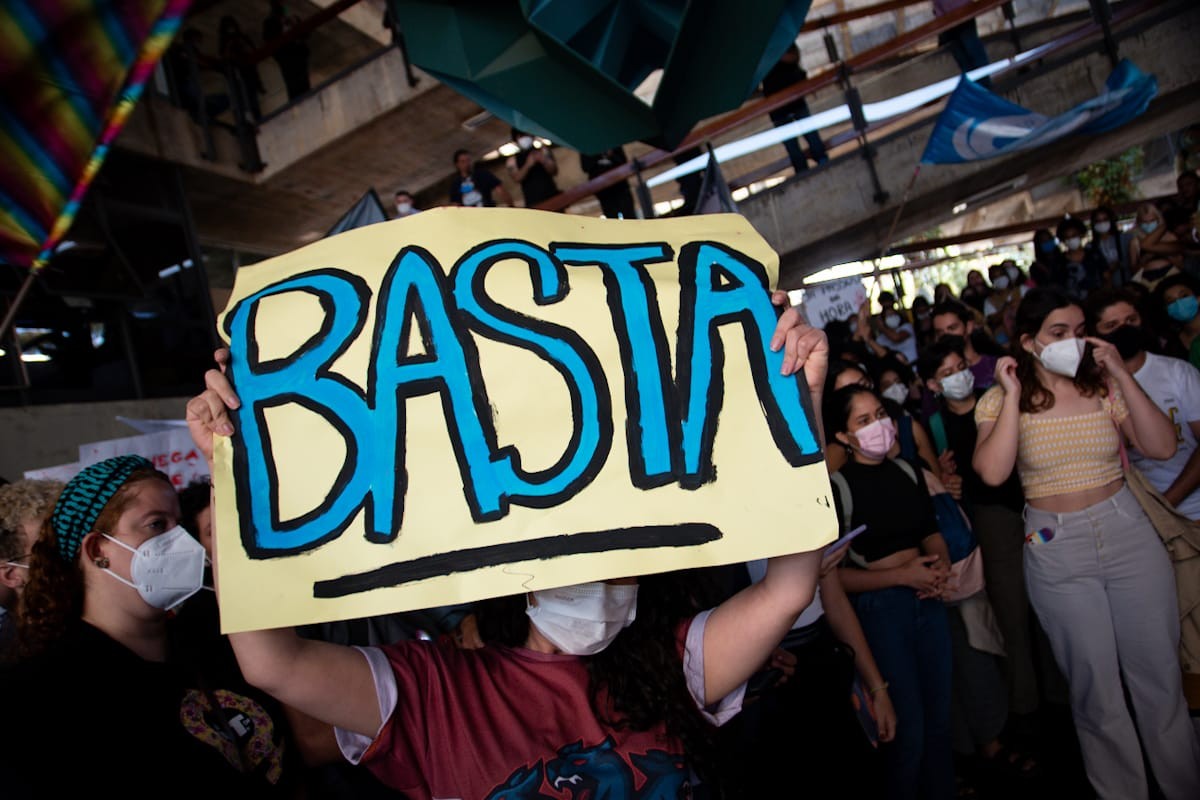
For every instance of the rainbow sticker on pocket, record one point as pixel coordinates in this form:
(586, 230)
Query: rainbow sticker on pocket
(1040, 536)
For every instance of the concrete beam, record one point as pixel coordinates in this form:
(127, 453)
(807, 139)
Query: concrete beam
(160, 130)
(49, 435)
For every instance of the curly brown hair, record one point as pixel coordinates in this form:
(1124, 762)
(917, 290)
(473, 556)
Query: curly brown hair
(24, 500)
(53, 597)
(1031, 314)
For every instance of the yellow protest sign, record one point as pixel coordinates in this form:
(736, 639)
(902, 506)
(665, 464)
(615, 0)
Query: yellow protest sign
(470, 403)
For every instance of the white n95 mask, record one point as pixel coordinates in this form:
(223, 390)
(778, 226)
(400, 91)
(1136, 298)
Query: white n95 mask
(959, 385)
(1063, 356)
(166, 569)
(584, 619)
(897, 392)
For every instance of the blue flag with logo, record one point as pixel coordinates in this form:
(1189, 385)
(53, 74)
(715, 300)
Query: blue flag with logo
(976, 124)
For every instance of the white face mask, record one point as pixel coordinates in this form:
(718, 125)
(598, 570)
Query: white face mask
(166, 569)
(525, 142)
(1102, 227)
(1063, 357)
(1013, 273)
(403, 208)
(584, 619)
(897, 392)
(1073, 243)
(1000, 282)
(959, 385)
(893, 321)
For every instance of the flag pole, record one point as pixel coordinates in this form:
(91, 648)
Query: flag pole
(887, 240)
(11, 314)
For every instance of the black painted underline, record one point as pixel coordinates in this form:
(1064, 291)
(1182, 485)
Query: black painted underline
(687, 534)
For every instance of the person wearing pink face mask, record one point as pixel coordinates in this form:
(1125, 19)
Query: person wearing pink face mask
(898, 571)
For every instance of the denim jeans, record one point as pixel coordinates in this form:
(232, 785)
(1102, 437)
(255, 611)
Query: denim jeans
(910, 640)
(1103, 587)
(816, 147)
(967, 49)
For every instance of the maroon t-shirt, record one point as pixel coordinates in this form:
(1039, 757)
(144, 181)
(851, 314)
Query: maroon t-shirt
(513, 723)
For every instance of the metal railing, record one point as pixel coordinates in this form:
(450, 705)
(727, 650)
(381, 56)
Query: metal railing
(841, 73)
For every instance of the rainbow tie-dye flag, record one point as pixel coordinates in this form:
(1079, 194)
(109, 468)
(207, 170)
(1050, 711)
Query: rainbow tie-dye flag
(71, 71)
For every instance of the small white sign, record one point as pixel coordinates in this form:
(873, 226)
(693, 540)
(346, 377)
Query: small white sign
(838, 299)
(172, 451)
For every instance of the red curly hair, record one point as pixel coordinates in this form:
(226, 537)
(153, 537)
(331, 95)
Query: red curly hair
(53, 597)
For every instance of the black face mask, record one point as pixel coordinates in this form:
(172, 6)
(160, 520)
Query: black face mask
(1128, 339)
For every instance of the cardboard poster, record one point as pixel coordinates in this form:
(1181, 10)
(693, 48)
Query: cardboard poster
(836, 299)
(167, 443)
(472, 403)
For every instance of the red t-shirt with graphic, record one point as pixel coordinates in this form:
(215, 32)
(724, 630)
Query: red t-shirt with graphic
(506, 723)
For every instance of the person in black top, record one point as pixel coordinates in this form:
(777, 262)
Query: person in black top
(100, 674)
(1049, 266)
(902, 565)
(788, 72)
(995, 514)
(534, 168)
(473, 185)
(615, 201)
(975, 293)
(292, 57)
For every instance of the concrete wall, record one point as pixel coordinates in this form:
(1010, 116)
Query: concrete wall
(830, 216)
(160, 130)
(44, 436)
(336, 110)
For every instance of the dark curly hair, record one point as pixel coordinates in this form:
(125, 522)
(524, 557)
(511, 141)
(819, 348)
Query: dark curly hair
(193, 499)
(53, 597)
(1031, 314)
(637, 682)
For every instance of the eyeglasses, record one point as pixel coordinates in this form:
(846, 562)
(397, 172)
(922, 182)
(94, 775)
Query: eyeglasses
(15, 564)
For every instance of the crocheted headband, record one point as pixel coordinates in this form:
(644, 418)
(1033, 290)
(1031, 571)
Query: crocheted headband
(85, 496)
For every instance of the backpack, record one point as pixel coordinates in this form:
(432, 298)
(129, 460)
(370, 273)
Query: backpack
(937, 428)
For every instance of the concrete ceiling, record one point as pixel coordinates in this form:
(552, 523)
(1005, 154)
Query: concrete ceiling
(409, 147)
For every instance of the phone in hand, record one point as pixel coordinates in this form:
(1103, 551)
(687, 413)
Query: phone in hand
(844, 541)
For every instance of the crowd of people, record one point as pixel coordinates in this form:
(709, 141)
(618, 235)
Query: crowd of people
(1021, 405)
(997, 561)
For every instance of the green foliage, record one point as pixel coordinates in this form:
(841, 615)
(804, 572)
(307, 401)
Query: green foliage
(1112, 181)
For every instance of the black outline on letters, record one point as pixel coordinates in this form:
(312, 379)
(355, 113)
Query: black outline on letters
(548, 329)
(411, 311)
(633, 418)
(684, 534)
(688, 276)
(241, 467)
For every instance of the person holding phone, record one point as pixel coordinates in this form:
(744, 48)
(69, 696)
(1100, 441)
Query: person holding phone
(1097, 576)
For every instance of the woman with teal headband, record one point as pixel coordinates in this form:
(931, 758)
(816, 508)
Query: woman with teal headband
(100, 667)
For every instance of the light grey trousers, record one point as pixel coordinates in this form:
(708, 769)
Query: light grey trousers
(1104, 591)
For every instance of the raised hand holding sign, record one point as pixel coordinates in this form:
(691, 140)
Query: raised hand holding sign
(472, 403)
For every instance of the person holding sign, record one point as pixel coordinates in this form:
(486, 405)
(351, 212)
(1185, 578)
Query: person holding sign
(436, 721)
